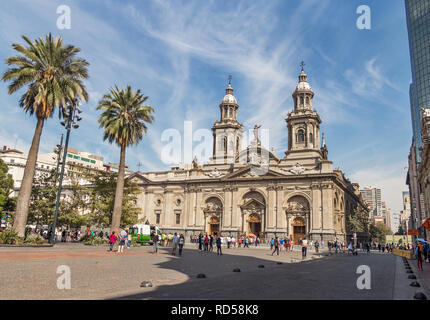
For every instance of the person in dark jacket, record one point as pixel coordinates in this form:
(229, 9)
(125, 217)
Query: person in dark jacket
(218, 245)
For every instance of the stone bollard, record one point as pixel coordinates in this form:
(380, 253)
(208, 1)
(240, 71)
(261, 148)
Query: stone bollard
(146, 284)
(201, 276)
(420, 296)
(236, 270)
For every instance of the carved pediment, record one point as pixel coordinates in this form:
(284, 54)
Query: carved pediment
(138, 178)
(253, 172)
(215, 173)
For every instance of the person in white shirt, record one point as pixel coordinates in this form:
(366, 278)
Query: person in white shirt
(228, 242)
(304, 247)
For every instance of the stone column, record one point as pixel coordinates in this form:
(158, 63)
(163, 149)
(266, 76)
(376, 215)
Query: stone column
(227, 208)
(316, 207)
(272, 208)
(279, 213)
(327, 207)
(199, 213)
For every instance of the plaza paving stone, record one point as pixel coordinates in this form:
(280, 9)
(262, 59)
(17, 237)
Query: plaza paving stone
(30, 273)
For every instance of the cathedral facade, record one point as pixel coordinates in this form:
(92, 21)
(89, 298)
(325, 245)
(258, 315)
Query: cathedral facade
(243, 191)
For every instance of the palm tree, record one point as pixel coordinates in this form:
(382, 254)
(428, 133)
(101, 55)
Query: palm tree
(54, 76)
(123, 119)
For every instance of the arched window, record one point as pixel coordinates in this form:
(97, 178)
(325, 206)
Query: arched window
(301, 100)
(224, 143)
(307, 100)
(301, 135)
(311, 137)
(230, 112)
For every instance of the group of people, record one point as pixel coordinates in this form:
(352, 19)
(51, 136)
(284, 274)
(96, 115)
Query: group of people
(229, 241)
(277, 244)
(123, 239)
(206, 242)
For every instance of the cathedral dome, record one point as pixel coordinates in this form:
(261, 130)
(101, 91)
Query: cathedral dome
(229, 98)
(303, 82)
(303, 86)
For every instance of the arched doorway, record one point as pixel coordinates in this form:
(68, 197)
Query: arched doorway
(299, 229)
(253, 212)
(297, 214)
(214, 225)
(254, 224)
(212, 210)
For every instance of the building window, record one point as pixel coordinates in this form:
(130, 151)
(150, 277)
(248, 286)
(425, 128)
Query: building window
(12, 161)
(307, 100)
(301, 135)
(157, 216)
(301, 100)
(311, 137)
(178, 216)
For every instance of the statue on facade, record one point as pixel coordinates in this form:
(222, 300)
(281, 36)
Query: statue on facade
(196, 166)
(256, 133)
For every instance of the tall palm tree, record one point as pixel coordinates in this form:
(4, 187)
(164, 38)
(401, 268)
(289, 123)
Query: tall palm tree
(53, 75)
(124, 121)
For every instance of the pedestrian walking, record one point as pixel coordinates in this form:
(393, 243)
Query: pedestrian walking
(155, 240)
(206, 242)
(304, 247)
(246, 243)
(128, 240)
(272, 243)
(112, 240)
(181, 243)
(122, 240)
(174, 243)
(349, 248)
(317, 245)
(211, 243)
(276, 246)
(419, 256)
(218, 245)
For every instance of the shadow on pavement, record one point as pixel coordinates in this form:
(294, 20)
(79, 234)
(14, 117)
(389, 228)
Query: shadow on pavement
(328, 277)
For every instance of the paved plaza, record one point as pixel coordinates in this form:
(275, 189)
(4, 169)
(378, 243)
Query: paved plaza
(31, 273)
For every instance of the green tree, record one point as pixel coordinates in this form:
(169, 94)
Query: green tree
(6, 185)
(379, 231)
(359, 221)
(53, 75)
(72, 208)
(43, 198)
(102, 198)
(400, 231)
(123, 119)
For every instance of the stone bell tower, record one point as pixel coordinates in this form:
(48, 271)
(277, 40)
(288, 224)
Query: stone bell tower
(303, 122)
(227, 132)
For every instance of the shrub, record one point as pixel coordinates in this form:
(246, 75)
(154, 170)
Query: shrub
(34, 238)
(94, 241)
(9, 237)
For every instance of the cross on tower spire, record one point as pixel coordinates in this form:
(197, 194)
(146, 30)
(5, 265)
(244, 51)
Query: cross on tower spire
(302, 64)
(229, 78)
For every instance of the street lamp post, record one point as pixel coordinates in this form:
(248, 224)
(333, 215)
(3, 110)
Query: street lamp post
(68, 123)
(58, 152)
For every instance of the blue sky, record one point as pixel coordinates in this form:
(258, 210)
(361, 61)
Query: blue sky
(180, 53)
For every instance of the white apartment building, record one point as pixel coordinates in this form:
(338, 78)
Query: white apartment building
(16, 161)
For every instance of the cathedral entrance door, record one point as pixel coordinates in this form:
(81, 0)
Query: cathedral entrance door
(299, 229)
(214, 226)
(254, 224)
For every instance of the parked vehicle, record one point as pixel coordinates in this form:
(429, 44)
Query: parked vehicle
(142, 232)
